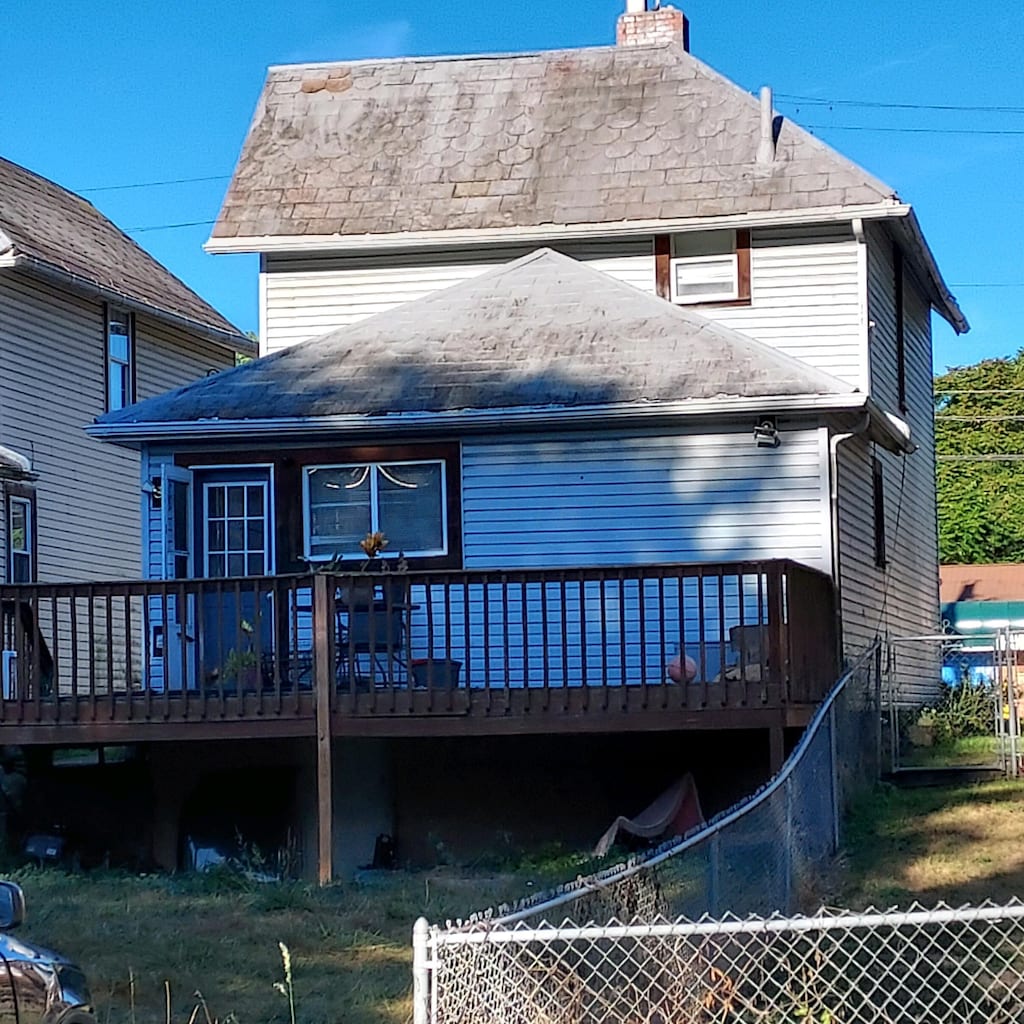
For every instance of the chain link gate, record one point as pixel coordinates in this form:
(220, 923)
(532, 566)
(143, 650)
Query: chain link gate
(954, 701)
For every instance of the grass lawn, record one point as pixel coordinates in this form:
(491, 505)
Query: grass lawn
(350, 944)
(959, 753)
(958, 844)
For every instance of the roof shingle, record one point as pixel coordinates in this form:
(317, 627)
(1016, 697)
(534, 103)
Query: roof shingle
(54, 229)
(566, 137)
(544, 331)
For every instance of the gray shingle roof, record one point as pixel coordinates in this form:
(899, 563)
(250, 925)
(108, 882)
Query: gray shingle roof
(565, 137)
(49, 228)
(544, 331)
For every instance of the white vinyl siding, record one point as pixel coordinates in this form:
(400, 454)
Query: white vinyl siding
(644, 499)
(902, 599)
(306, 296)
(806, 290)
(806, 298)
(53, 350)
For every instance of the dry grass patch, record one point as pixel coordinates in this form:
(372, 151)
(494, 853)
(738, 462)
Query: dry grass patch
(960, 844)
(350, 944)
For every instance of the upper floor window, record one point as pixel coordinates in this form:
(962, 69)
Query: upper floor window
(703, 267)
(120, 358)
(21, 552)
(404, 500)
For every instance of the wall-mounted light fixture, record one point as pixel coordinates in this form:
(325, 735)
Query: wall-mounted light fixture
(766, 434)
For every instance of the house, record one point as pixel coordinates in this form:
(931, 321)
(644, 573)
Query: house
(634, 374)
(89, 323)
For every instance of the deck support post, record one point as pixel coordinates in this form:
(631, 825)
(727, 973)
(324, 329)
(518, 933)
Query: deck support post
(323, 618)
(776, 748)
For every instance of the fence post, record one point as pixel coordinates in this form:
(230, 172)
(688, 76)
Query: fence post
(787, 859)
(714, 876)
(421, 971)
(323, 678)
(833, 757)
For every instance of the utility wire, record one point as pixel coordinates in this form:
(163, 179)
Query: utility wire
(152, 184)
(169, 227)
(820, 101)
(912, 131)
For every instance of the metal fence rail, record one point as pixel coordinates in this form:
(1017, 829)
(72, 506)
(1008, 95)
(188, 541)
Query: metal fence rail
(940, 966)
(618, 957)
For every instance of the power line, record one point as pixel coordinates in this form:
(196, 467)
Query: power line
(169, 227)
(819, 101)
(153, 184)
(913, 131)
(979, 458)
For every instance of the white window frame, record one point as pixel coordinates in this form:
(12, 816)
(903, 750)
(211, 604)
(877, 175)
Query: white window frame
(127, 366)
(264, 485)
(28, 506)
(307, 471)
(729, 294)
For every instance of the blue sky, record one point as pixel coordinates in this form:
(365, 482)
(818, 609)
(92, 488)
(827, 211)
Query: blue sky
(99, 94)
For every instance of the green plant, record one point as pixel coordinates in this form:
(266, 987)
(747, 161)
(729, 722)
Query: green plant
(966, 709)
(238, 664)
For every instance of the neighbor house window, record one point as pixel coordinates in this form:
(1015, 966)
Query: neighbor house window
(703, 267)
(21, 556)
(404, 500)
(120, 358)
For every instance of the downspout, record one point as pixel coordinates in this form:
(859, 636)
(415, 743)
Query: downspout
(833, 498)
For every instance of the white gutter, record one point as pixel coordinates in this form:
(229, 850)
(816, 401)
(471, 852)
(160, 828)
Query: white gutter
(833, 497)
(8, 261)
(546, 232)
(226, 339)
(552, 416)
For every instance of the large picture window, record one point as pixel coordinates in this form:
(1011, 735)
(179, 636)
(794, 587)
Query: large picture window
(404, 500)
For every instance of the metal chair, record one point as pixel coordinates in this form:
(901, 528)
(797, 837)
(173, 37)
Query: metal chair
(373, 637)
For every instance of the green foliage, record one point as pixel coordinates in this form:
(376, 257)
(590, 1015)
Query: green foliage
(964, 710)
(979, 412)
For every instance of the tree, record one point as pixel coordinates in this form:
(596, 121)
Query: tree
(979, 442)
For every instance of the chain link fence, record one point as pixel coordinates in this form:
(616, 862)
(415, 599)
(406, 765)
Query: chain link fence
(764, 856)
(964, 711)
(938, 966)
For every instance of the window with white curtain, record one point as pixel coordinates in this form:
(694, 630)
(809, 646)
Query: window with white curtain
(403, 500)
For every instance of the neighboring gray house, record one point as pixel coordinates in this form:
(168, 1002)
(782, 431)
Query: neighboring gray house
(89, 323)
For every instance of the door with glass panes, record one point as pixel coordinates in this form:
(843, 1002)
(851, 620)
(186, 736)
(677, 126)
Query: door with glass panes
(234, 548)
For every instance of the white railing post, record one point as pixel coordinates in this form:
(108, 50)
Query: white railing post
(421, 972)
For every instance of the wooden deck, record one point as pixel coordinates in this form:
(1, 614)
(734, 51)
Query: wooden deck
(416, 654)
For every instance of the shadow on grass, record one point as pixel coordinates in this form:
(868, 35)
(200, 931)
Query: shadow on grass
(953, 844)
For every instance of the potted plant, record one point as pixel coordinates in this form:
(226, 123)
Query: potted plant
(242, 667)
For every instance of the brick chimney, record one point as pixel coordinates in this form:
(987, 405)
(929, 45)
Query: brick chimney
(647, 23)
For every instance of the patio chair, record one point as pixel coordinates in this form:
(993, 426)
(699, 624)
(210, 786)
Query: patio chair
(373, 637)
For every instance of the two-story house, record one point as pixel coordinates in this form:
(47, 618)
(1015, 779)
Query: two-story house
(89, 324)
(634, 375)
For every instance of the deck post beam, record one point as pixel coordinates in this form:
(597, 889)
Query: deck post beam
(323, 618)
(776, 748)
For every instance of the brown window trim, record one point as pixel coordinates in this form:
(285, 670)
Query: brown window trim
(288, 466)
(663, 271)
(26, 493)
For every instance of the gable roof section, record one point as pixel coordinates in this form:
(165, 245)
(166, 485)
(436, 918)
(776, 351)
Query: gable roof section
(542, 333)
(600, 135)
(49, 231)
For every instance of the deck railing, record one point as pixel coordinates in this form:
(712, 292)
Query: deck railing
(695, 636)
